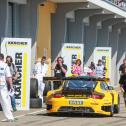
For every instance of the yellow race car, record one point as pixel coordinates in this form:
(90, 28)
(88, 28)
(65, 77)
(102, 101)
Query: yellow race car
(83, 95)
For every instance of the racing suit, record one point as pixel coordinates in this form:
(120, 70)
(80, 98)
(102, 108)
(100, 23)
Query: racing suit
(40, 72)
(4, 97)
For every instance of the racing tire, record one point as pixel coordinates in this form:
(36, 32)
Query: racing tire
(117, 107)
(33, 88)
(112, 111)
(35, 103)
(112, 107)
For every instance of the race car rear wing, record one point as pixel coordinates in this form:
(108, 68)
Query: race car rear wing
(86, 78)
(56, 80)
(52, 78)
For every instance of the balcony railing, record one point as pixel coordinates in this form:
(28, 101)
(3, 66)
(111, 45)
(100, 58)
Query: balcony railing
(119, 3)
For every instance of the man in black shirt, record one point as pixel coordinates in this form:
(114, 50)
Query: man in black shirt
(60, 68)
(122, 66)
(122, 83)
(122, 80)
(59, 71)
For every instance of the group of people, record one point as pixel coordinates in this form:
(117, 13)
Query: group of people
(99, 70)
(8, 76)
(120, 3)
(41, 69)
(60, 70)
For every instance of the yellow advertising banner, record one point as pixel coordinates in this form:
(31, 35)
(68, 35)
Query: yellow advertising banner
(20, 50)
(70, 53)
(104, 54)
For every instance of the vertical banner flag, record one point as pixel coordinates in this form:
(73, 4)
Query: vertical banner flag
(20, 50)
(103, 53)
(70, 53)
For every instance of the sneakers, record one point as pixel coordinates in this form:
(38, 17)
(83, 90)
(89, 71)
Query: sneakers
(14, 109)
(10, 120)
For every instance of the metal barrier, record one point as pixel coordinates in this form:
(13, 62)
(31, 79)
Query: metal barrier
(119, 3)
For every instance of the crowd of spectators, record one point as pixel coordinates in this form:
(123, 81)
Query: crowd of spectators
(120, 3)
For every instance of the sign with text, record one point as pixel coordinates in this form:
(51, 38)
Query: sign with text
(20, 50)
(104, 54)
(70, 53)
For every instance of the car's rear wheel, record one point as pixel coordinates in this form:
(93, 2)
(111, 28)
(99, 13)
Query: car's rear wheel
(47, 88)
(117, 107)
(112, 110)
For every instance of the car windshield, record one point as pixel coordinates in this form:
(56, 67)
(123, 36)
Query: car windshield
(79, 84)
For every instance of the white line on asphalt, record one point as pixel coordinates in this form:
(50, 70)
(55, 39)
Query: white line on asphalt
(26, 114)
(36, 112)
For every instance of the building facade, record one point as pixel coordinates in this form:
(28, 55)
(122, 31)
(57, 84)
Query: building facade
(50, 23)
